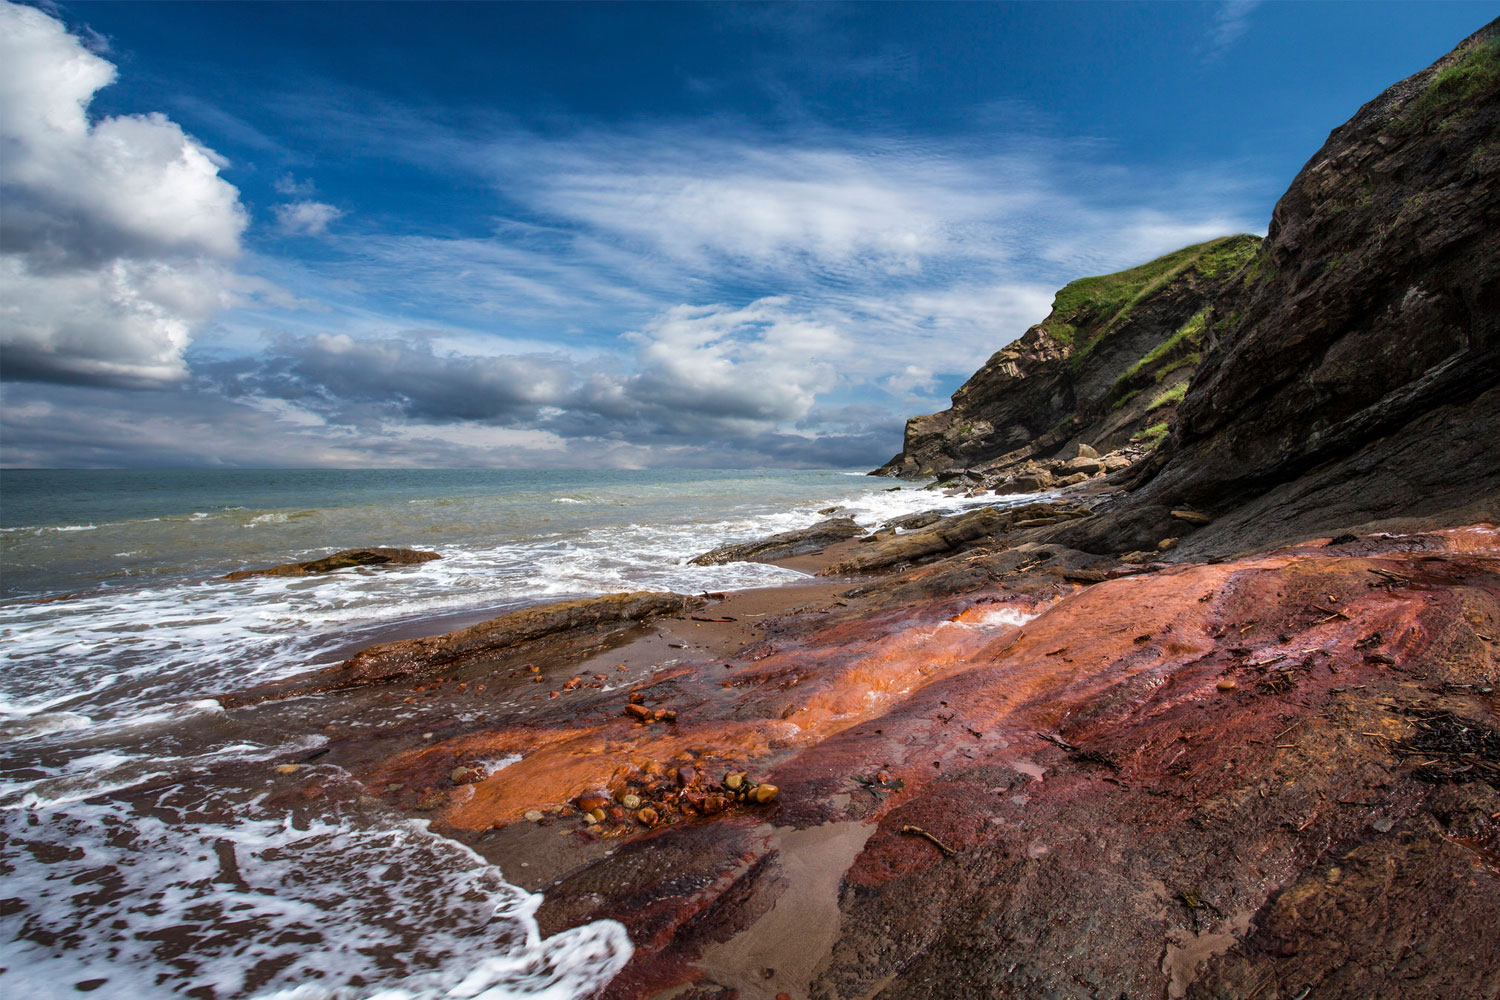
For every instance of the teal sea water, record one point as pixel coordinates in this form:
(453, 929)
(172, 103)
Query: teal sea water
(121, 771)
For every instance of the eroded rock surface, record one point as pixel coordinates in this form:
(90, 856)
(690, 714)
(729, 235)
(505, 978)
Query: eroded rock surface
(341, 560)
(783, 545)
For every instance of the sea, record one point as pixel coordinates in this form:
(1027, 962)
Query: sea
(142, 853)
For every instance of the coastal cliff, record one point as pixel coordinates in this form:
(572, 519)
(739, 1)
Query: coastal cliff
(1108, 363)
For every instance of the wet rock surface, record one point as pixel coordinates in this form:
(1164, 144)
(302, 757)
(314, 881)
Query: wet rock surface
(1010, 773)
(341, 560)
(783, 545)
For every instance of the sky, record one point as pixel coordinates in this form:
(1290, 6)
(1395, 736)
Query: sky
(608, 236)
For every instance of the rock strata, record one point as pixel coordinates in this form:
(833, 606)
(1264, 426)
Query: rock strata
(341, 560)
(783, 545)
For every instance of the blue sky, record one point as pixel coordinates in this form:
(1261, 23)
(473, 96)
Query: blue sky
(621, 235)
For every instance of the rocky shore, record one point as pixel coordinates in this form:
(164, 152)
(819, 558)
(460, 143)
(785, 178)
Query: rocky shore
(1215, 717)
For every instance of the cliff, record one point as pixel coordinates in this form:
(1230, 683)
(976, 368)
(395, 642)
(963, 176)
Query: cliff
(1108, 363)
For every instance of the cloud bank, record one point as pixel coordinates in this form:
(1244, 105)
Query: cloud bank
(117, 233)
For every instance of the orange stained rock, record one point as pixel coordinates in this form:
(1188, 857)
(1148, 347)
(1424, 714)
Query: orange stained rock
(1103, 653)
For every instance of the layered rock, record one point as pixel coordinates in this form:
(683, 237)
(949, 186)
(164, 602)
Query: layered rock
(375, 556)
(783, 545)
(1103, 368)
(1356, 359)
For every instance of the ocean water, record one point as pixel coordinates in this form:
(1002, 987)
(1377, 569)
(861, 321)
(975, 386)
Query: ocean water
(140, 853)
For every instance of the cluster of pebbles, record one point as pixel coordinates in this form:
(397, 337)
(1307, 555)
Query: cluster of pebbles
(653, 795)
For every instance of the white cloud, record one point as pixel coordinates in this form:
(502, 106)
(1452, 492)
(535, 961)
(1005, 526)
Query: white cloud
(292, 187)
(308, 218)
(1231, 20)
(117, 233)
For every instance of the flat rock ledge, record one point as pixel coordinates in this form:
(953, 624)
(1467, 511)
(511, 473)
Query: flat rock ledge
(784, 545)
(340, 560)
(427, 656)
(951, 533)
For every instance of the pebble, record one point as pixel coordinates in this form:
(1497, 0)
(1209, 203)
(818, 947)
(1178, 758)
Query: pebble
(685, 776)
(597, 815)
(647, 816)
(640, 712)
(533, 815)
(590, 802)
(762, 794)
(734, 780)
(466, 775)
(286, 768)
(636, 697)
(1227, 685)
(630, 801)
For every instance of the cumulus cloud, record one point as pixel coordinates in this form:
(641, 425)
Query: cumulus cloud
(307, 218)
(116, 234)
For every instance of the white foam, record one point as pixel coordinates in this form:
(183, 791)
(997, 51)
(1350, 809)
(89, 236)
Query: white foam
(393, 910)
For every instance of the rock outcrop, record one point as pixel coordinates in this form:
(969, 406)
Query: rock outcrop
(1358, 355)
(1104, 368)
(784, 545)
(1350, 368)
(341, 560)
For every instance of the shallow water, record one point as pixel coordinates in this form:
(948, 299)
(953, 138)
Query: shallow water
(141, 853)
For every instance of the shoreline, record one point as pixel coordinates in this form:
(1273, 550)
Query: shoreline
(1110, 678)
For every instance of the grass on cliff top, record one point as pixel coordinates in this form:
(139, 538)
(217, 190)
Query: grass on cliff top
(1085, 310)
(1456, 86)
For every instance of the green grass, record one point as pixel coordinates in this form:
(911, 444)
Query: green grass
(1087, 310)
(1456, 88)
(1151, 436)
(1169, 397)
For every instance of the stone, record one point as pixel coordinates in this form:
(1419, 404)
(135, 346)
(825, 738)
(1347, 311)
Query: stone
(1192, 517)
(647, 817)
(533, 815)
(1227, 685)
(783, 545)
(466, 775)
(1166, 544)
(638, 712)
(1086, 451)
(630, 801)
(763, 794)
(590, 801)
(1087, 466)
(340, 560)
(288, 768)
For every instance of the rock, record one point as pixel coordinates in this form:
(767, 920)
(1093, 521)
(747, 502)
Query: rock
(466, 775)
(630, 801)
(1088, 466)
(288, 768)
(763, 794)
(734, 780)
(647, 817)
(830, 510)
(783, 545)
(685, 776)
(421, 657)
(640, 712)
(1227, 685)
(533, 816)
(590, 801)
(597, 815)
(573, 683)
(637, 697)
(1166, 544)
(1061, 380)
(1134, 558)
(1114, 462)
(1072, 480)
(340, 560)
(907, 522)
(1033, 483)
(1192, 517)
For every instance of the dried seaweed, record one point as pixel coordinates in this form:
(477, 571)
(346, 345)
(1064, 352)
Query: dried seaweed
(1450, 747)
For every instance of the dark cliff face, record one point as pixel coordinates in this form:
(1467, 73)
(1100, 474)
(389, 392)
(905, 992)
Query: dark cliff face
(1111, 359)
(1370, 313)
